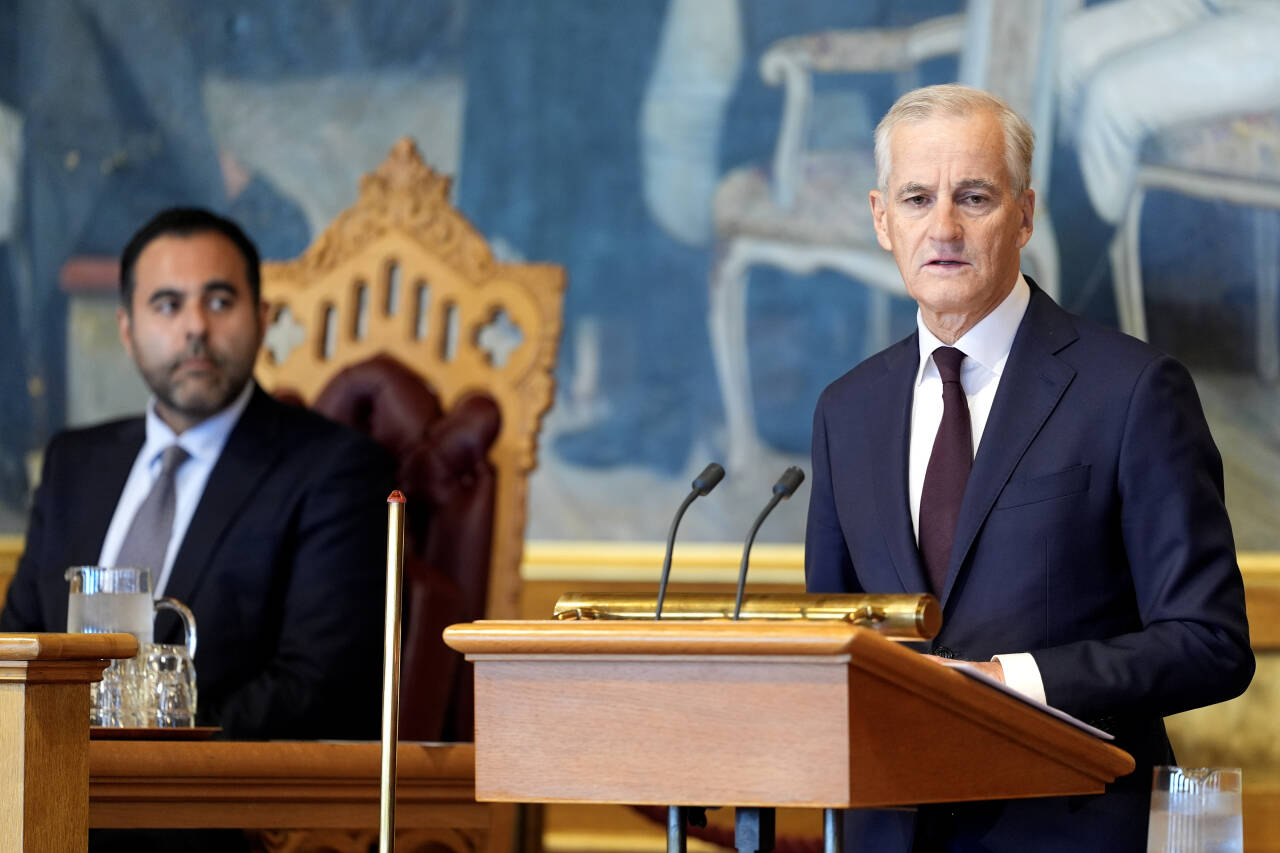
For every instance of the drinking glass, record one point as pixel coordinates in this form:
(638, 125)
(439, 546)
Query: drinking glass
(104, 697)
(170, 680)
(117, 700)
(1196, 810)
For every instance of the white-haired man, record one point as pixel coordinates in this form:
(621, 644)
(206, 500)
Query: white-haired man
(1052, 481)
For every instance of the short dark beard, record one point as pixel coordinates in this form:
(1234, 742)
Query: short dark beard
(162, 388)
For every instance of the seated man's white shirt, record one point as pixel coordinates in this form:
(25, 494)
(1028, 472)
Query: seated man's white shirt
(203, 442)
(986, 347)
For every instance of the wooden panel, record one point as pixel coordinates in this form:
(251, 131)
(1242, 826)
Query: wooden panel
(10, 551)
(13, 765)
(930, 734)
(661, 731)
(1262, 598)
(56, 781)
(692, 561)
(44, 729)
(1261, 815)
(178, 784)
(330, 790)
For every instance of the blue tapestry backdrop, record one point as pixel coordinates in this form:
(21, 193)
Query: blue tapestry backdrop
(633, 143)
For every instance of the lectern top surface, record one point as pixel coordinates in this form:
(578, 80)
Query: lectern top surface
(51, 647)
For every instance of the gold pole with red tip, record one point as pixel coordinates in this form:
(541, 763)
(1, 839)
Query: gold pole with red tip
(391, 671)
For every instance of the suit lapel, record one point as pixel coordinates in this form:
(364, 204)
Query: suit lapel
(1033, 383)
(113, 466)
(892, 427)
(248, 456)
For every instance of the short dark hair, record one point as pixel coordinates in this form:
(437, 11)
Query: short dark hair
(184, 222)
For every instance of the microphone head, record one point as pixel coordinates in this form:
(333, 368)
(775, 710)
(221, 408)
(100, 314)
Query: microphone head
(788, 482)
(708, 479)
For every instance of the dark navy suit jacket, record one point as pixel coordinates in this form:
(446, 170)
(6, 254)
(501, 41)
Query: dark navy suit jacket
(1092, 534)
(282, 565)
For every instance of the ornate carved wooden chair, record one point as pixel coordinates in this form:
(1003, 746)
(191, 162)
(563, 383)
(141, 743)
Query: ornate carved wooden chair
(399, 321)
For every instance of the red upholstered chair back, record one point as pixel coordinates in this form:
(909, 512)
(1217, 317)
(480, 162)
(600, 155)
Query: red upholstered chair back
(449, 483)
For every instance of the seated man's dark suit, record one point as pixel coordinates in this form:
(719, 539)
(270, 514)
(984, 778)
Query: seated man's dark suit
(282, 565)
(1092, 534)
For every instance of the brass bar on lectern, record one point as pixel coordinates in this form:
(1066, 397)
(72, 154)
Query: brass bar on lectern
(898, 617)
(391, 673)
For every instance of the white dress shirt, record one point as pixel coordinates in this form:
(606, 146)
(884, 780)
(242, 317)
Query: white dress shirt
(204, 443)
(986, 347)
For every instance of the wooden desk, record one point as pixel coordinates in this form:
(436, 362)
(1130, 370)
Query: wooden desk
(293, 785)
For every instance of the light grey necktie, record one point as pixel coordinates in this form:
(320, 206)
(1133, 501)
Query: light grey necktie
(147, 541)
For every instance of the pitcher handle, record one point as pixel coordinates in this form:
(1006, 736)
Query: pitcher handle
(188, 620)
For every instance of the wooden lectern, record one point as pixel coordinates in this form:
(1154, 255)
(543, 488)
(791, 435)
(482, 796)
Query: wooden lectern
(752, 714)
(44, 735)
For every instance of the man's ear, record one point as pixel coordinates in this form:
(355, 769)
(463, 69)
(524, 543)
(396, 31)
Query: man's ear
(1027, 204)
(879, 210)
(124, 322)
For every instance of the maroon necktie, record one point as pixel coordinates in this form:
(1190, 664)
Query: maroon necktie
(948, 471)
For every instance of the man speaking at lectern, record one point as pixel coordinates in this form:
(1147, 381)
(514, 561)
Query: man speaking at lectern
(1053, 482)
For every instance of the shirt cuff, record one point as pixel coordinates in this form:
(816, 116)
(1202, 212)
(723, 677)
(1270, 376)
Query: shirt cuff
(1023, 675)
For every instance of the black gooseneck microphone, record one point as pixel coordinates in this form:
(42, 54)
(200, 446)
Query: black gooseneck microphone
(702, 486)
(783, 489)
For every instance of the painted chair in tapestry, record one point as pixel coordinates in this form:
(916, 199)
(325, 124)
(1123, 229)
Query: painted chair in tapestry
(1184, 99)
(808, 210)
(1233, 159)
(399, 322)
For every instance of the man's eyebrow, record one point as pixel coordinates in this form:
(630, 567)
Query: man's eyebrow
(218, 285)
(913, 188)
(166, 293)
(979, 184)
